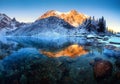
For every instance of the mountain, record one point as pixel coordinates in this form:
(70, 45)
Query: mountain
(7, 22)
(45, 26)
(73, 17)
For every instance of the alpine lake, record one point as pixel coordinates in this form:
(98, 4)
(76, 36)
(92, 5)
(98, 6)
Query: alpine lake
(60, 60)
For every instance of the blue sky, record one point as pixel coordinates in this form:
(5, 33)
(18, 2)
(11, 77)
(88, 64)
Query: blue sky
(30, 10)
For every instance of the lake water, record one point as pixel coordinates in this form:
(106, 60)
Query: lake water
(48, 60)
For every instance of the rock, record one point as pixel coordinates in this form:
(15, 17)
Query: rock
(111, 47)
(105, 39)
(102, 69)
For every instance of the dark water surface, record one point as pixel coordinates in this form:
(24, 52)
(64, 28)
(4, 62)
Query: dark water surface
(48, 60)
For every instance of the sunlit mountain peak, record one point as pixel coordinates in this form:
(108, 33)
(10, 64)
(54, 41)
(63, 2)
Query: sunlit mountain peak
(73, 17)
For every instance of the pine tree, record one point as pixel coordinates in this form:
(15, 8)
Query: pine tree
(102, 25)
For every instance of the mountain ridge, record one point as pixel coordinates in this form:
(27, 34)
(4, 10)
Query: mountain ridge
(51, 24)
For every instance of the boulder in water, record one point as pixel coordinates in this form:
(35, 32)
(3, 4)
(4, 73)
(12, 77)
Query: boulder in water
(102, 69)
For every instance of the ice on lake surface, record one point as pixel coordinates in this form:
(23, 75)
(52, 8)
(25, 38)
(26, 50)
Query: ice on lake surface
(56, 60)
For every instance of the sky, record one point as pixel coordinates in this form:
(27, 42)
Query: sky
(30, 10)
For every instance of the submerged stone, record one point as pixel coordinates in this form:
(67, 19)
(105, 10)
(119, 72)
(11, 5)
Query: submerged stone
(102, 69)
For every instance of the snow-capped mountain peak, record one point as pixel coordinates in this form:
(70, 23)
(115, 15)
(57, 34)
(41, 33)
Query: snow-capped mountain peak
(7, 24)
(4, 20)
(73, 17)
(3, 16)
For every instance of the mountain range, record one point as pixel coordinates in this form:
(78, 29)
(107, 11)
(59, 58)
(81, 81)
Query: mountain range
(54, 23)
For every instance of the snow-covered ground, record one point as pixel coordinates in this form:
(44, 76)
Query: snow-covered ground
(115, 41)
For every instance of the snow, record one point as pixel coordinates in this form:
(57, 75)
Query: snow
(91, 36)
(75, 24)
(115, 39)
(1, 17)
(58, 13)
(86, 16)
(111, 39)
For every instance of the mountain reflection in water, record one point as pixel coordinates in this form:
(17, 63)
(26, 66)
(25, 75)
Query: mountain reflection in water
(71, 51)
